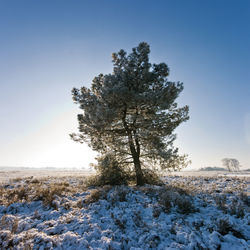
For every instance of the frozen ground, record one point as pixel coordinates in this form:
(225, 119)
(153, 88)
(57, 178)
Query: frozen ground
(9, 173)
(187, 213)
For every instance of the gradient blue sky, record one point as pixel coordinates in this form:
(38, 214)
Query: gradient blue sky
(49, 47)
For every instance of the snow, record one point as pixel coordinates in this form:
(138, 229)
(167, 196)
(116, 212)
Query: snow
(129, 217)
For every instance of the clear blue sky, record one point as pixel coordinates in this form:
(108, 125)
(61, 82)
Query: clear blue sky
(49, 47)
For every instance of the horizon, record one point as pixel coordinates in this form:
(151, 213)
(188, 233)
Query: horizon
(90, 169)
(47, 48)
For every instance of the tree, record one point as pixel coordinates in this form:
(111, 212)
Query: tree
(132, 113)
(231, 164)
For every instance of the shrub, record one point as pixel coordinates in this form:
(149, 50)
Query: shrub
(48, 194)
(224, 227)
(92, 181)
(137, 218)
(97, 194)
(236, 208)
(185, 205)
(165, 201)
(245, 198)
(157, 211)
(79, 203)
(34, 181)
(120, 224)
(94, 196)
(172, 197)
(109, 172)
(9, 222)
(220, 201)
(118, 195)
(151, 177)
(18, 194)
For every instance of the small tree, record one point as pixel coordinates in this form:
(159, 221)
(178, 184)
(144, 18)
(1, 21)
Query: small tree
(132, 113)
(109, 171)
(231, 164)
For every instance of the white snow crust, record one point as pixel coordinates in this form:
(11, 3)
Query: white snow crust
(132, 218)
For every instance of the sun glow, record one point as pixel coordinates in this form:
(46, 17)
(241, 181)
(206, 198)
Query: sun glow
(51, 146)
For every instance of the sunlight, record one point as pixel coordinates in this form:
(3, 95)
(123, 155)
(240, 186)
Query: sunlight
(50, 146)
(54, 146)
(67, 155)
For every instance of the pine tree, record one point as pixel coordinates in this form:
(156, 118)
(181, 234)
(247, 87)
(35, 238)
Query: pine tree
(132, 113)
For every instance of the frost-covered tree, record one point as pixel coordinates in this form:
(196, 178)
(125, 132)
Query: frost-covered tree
(132, 113)
(231, 164)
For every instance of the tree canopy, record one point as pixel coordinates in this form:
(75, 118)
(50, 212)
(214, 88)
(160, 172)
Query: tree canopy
(231, 164)
(132, 113)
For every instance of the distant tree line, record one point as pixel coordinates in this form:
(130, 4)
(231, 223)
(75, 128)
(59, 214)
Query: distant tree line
(212, 169)
(229, 164)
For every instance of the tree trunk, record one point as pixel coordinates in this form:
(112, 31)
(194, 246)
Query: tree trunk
(139, 175)
(136, 160)
(135, 152)
(138, 171)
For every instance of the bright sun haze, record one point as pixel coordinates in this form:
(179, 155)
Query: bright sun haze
(49, 47)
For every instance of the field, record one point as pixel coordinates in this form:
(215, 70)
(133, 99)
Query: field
(53, 209)
(8, 173)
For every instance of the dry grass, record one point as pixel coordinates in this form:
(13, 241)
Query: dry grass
(221, 201)
(177, 194)
(224, 227)
(237, 208)
(170, 196)
(245, 198)
(230, 196)
(93, 196)
(176, 197)
(28, 190)
(9, 222)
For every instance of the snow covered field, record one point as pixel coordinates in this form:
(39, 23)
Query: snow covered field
(9, 173)
(188, 212)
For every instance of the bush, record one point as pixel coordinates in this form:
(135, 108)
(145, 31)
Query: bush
(245, 198)
(119, 194)
(109, 172)
(172, 197)
(94, 196)
(166, 201)
(48, 194)
(17, 195)
(236, 208)
(151, 177)
(224, 227)
(220, 201)
(185, 205)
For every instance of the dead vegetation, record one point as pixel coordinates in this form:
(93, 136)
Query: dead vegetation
(174, 195)
(28, 190)
(72, 196)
